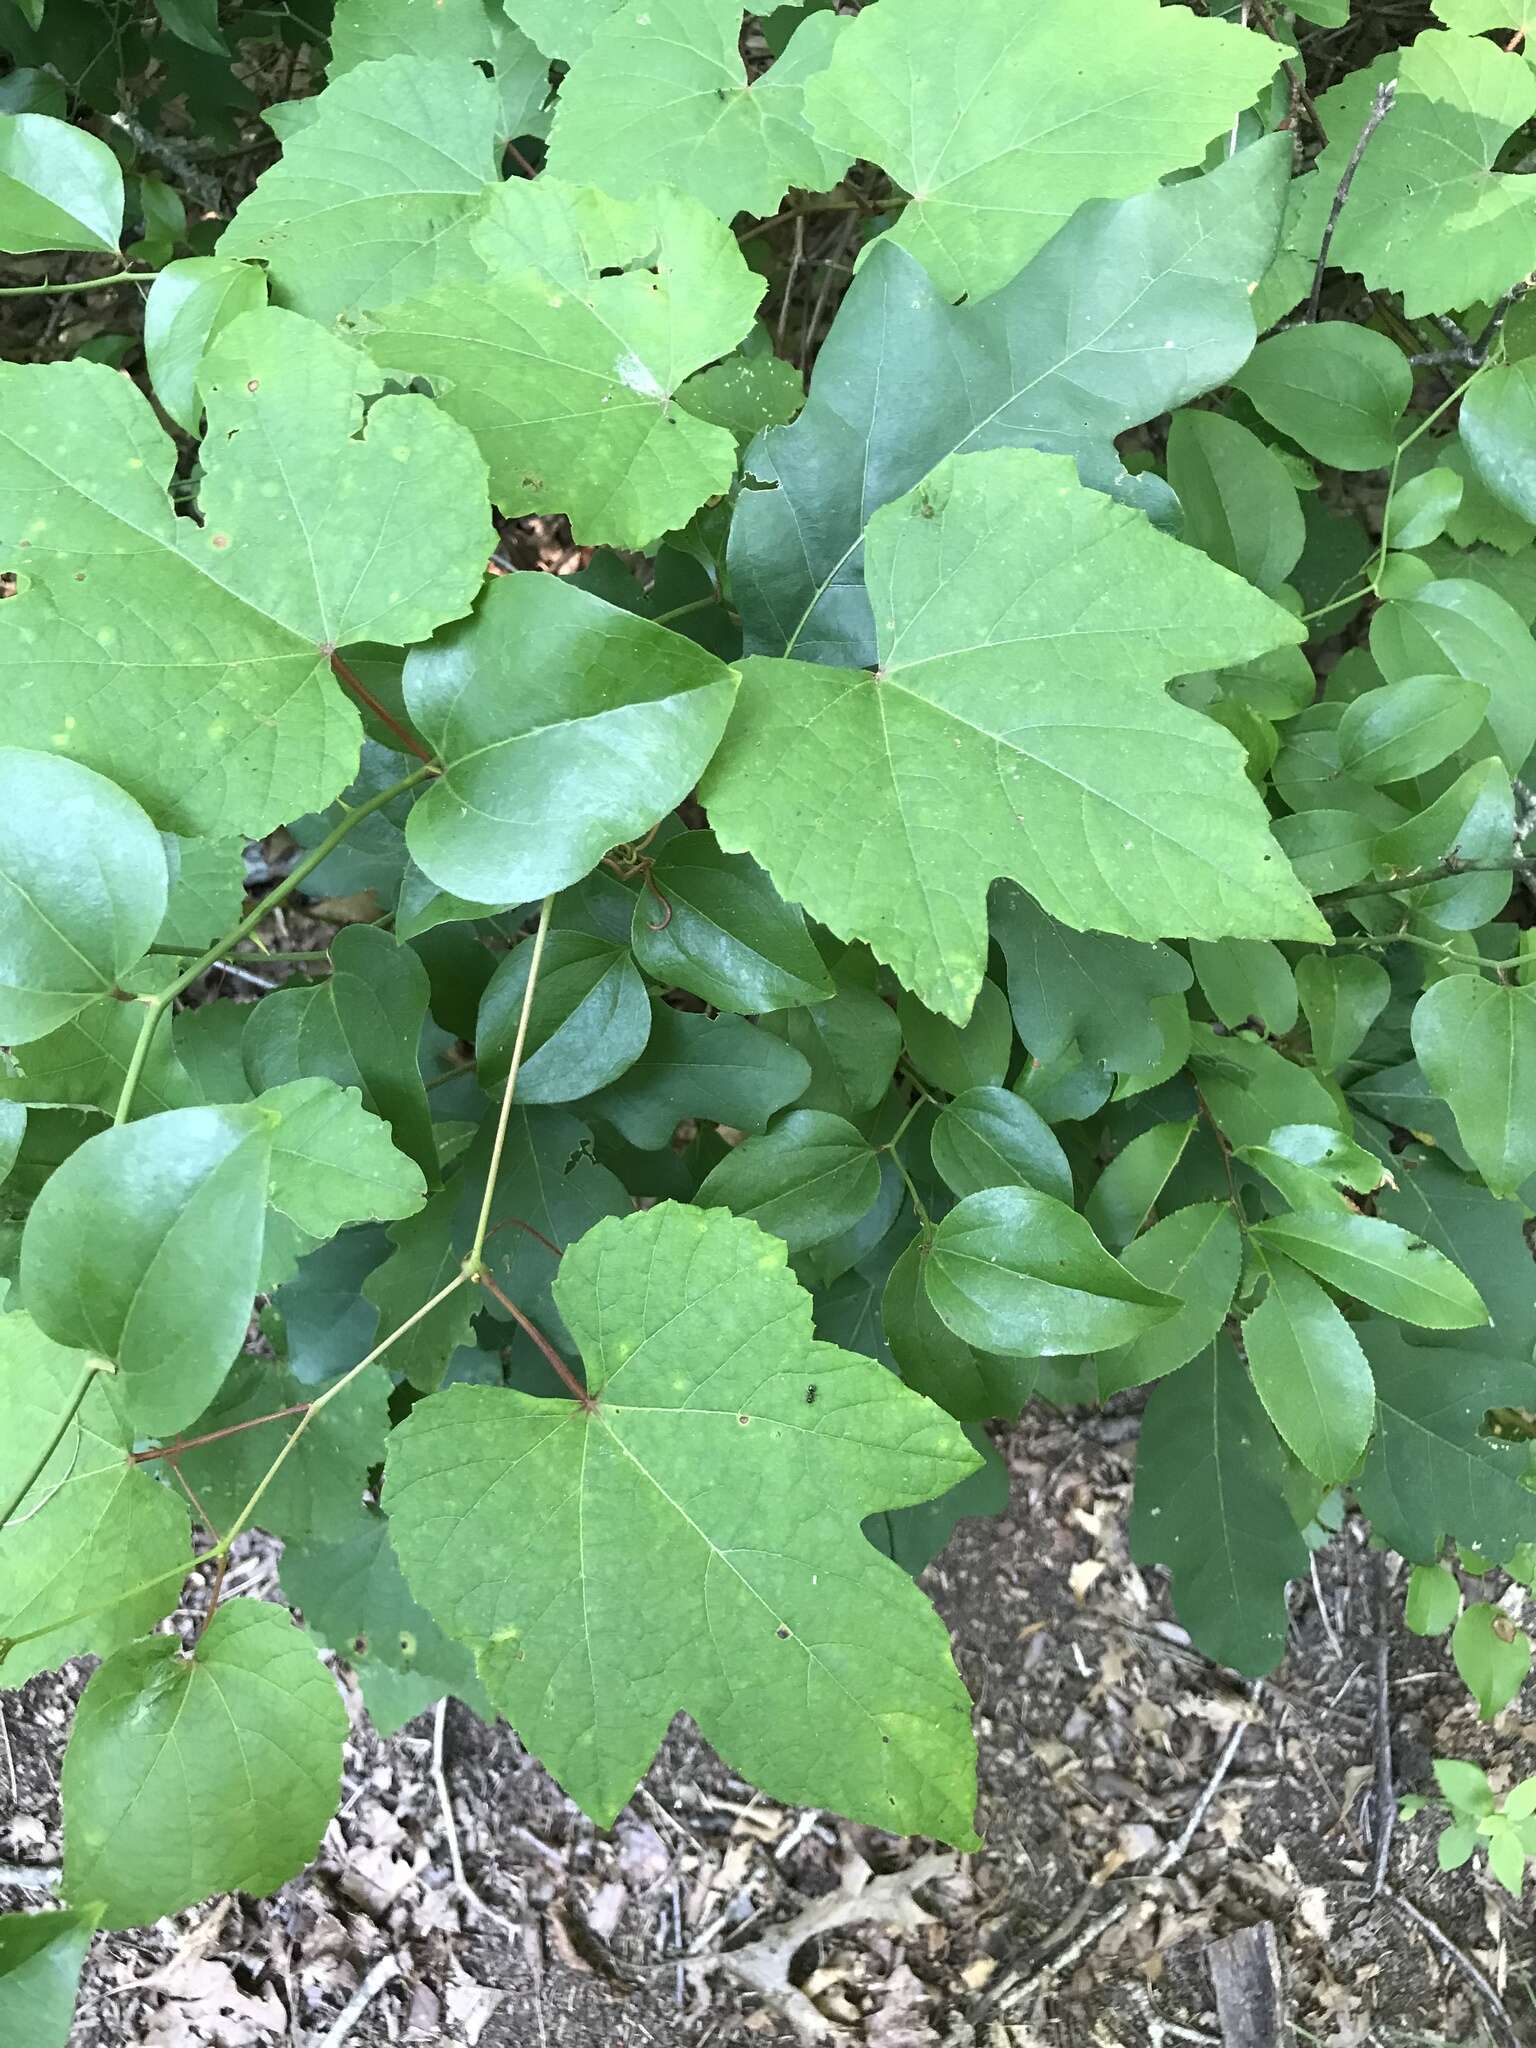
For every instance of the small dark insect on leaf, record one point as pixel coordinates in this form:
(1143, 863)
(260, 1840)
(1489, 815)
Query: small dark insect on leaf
(810, 1394)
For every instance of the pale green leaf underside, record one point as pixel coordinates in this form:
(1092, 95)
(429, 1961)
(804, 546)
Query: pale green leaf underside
(189, 662)
(1016, 726)
(995, 121)
(692, 1545)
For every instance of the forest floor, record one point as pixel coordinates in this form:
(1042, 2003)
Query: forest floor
(708, 1915)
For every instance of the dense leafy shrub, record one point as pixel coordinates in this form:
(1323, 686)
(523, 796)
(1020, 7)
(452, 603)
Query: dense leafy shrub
(1001, 872)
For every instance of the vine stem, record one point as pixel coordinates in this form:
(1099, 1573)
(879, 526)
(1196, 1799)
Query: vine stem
(157, 1005)
(1381, 106)
(474, 1264)
(349, 680)
(1441, 873)
(531, 1329)
(81, 284)
(39, 1465)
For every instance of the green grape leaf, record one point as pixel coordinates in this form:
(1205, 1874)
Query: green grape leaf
(564, 727)
(719, 1069)
(971, 1385)
(41, 1955)
(373, 200)
(241, 1740)
(334, 1164)
(746, 394)
(1473, 16)
(1475, 1041)
(1432, 1471)
(1125, 1193)
(144, 1248)
(1337, 391)
(1379, 1264)
(991, 1138)
(86, 1061)
(534, 1529)
(713, 924)
(1132, 310)
(1196, 1256)
(354, 1596)
(190, 304)
(1150, 823)
(995, 125)
(589, 1021)
(1309, 1371)
(471, 31)
(1014, 1271)
(1427, 214)
(1493, 1659)
(1210, 1504)
(1243, 979)
(315, 1493)
(1342, 996)
(808, 1179)
(59, 187)
(83, 887)
(958, 1057)
(562, 28)
(1240, 507)
(1088, 990)
(564, 358)
(1408, 727)
(92, 1529)
(207, 892)
(913, 1537)
(1498, 430)
(660, 96)
(192, 662)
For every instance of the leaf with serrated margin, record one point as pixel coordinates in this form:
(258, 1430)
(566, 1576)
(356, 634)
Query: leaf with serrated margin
(564, 354)
(564, 726)
(1017, 725)
(241, 1741)
(1210, 1505)
(191, 662)
(690, 1543)
(373, 199)
(1132, 310)
(1432, 1471)
(660, 96)
(994, 122)
(92, 1528)
(144, 1247)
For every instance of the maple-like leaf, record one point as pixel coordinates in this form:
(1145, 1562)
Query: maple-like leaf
(690, 1541)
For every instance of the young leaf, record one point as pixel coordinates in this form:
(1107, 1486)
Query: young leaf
(1379, 1264)
(564, 726)
(1432, 1472)
(1405, 728)
(973, 1386)
(1195, 1255)
(144, 1248)
(1015, 1271)
(1240, 507)
(1476, 1043)
(40, 1960)
(1313, 1165)
(1337, 391)
(1210, 1505)
(995, 172)
(315, 535)
(1422, 508)
(1151, 834)
(589, 1022)
(991, 1138)
(1123, 1196)
(83, 888)
(241, 1740)
(1342, 996)
(812, 1177)
(1492, 1656)
(713, 924)
(536, 1529)
(190, 304)
(92, 1529)
(59, 187)
(1309, 1371)
(565, 372)
(1456, 627)
(700, 123)
(373, 199)
(1433, 1600)
(333, 1163)
(1130, 311)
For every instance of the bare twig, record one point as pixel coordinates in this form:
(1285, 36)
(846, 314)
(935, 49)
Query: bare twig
(1490, 333)
(384, 1971)
(1381, 106)
(1386, 1803)
(24, 1878)
(1294, 78)
(1463, 1962)
(440, 1785)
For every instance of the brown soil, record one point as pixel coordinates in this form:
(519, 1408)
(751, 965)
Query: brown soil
(1099, 1730)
